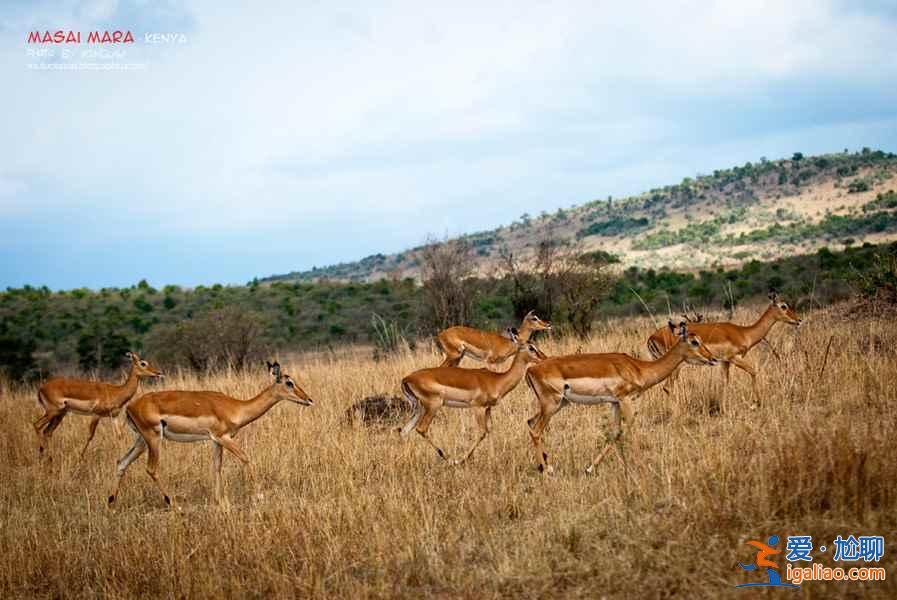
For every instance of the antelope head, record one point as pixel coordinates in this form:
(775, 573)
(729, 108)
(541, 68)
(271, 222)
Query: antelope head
(531, 352)
(781, 310)
(143, 367)
(534, 322)
(285, 388)
(696, 353)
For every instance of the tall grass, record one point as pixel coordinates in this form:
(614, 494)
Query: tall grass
(326, 510)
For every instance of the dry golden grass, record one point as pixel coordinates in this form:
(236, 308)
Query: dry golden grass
(333, 511)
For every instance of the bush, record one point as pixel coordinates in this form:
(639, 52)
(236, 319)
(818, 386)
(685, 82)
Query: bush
(228, 336)
(614, 226)
(388, 337)
(16, 356)
(860, 185)
(879, 283)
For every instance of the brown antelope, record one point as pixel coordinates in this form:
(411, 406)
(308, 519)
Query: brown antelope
(602, 378)
(491, 348)
(181, 416)
(428, 390)
(727, 341)
(96, 399)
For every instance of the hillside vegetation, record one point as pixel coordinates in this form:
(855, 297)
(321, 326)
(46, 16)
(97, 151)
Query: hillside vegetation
(44, 332)
(758, 211)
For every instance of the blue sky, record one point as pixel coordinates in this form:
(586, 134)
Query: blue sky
(286, 135)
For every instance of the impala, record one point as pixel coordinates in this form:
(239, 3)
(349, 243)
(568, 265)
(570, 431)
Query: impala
(491, 348)
(96, 399)
(727, 341)
(430, 389)
(602, 378)
(181, 416)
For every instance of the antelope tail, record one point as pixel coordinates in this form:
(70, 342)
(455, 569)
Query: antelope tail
(130, 421)
(415, 406)
(529, 383)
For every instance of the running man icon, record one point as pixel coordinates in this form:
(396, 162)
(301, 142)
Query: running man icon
(764, 551)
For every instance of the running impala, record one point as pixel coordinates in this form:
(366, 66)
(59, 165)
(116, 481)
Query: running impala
(602, 378)
(181, 416)
(491, 348)
(428, 390)
(95, 399)
(729, 342)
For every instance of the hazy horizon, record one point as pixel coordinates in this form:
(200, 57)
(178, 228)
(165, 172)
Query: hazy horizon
(257, 142)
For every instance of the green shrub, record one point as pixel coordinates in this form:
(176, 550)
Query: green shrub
(614, 226)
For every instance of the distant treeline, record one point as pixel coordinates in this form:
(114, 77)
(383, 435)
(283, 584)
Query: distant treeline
(43, 332)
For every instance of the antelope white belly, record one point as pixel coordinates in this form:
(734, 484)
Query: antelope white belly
(474, 353)
(457, 397)
(80, 407)
(185, 437)
(457, 404)
(590, 391)
(187, 429)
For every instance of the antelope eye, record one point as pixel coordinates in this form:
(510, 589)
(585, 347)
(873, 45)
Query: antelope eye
(289, 383)
(142, 363)
(695, 343)
(784, 306)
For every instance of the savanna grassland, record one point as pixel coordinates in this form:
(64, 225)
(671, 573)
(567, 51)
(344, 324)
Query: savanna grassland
(333, 510)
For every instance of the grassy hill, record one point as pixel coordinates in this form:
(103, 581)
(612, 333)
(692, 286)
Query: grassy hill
(758, 211)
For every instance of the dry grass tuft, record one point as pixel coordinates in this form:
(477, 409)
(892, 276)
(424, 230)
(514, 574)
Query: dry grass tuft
(327, 510)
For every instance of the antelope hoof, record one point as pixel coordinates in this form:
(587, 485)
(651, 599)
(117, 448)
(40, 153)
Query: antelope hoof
(111, 500)
(590, 469)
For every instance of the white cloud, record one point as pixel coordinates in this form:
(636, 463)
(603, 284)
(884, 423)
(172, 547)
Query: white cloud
(313, 108)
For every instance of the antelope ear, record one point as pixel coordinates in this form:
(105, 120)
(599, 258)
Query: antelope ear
(274, 368)
(772, 295)
(683, 330)
(672, 326)
(529, 314)
(132, 356)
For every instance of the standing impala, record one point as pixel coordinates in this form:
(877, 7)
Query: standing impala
(491, 348)
(95, 399)
(481, 389)
(602, 378)
(198, 417)
(727, 341)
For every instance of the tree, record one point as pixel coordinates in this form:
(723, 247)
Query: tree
(16, 355)
(448, 292)
(224, 336)
(101, 346)
(560, 283)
